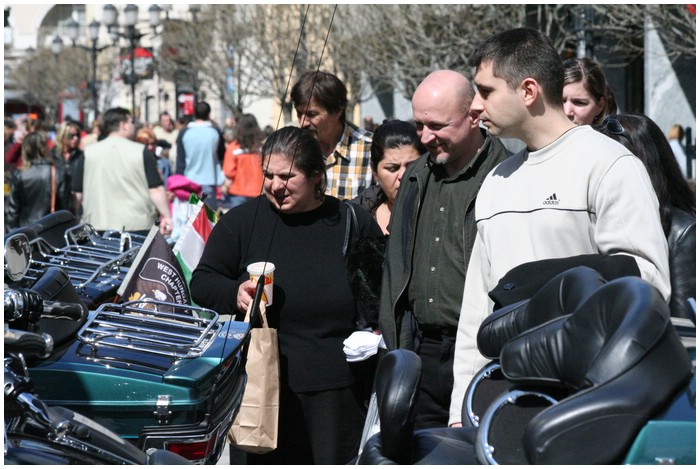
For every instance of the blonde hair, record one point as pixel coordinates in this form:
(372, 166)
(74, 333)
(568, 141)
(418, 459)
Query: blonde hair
(62, 134)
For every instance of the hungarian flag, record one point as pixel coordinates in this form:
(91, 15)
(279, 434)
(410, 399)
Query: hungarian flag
(190, 246)
(155, 273)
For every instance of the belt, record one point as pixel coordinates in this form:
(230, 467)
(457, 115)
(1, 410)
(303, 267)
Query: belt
(437, 332)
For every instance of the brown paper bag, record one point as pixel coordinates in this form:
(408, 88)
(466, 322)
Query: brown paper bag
(254, 429)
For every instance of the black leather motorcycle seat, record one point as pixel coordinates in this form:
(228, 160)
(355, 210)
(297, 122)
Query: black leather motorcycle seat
(622, 360)
(397, 392)
(558, 297)
(609, 367)
(53, 226)
(444, 445)
(396, 386)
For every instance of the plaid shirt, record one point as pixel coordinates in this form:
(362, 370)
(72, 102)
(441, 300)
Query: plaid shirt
(348, 168)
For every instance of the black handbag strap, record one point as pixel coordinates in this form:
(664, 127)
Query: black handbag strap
(349, 226)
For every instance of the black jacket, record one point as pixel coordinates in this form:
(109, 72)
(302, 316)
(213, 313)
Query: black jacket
(394, 316)
(681, 257)
(371, 198)
(67, 169)
(30, 194)
(524, 281)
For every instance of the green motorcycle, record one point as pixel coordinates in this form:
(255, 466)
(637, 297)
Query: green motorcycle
(160, 375)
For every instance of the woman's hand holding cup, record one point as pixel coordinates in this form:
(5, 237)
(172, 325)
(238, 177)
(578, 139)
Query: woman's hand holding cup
(245, 295)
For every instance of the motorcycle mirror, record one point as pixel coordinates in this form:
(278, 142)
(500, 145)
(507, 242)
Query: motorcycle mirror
(18, 256)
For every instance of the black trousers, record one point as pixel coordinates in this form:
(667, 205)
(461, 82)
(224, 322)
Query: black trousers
(437, 357)
(322, 427)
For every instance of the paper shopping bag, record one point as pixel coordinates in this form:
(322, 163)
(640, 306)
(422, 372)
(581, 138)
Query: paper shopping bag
(254, 429)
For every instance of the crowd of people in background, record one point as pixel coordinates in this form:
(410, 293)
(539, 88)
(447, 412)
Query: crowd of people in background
(441, 191)
(587, 99)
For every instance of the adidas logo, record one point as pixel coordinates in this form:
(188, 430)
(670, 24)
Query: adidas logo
(551, 200)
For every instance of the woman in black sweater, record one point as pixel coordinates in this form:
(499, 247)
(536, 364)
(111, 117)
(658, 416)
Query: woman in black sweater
(302, 232)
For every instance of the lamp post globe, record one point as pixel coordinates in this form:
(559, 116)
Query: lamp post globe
(109, 15)
(57, 45)
(73, 29)
(94, 30)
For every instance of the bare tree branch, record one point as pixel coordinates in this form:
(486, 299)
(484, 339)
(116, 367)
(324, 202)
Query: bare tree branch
(262, 49)
(625, 26)
(47, 79)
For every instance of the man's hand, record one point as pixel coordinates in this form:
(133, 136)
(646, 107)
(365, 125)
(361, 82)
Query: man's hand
(166, 226)
(160, 201)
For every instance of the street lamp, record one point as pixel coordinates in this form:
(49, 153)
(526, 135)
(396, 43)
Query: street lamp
(56, 48)
(154, 16)
(93, 31)
(154, 20)
(195, 9)
(109, 15)
(29, 53)
(57, 45)
(131, 13)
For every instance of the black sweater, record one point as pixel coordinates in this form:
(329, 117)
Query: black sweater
(313, 307)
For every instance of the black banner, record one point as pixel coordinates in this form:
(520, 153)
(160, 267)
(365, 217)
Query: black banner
(155, 274)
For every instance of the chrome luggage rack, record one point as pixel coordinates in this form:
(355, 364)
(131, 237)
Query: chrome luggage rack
(151, 326)
(87, 257)
(84, 234)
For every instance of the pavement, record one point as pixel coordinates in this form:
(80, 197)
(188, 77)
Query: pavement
(239, 457)
(225, 458)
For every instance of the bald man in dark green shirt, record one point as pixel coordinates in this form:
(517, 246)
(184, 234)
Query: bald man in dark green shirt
(432, 232)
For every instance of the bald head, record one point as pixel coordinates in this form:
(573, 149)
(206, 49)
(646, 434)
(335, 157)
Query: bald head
(441, 112)
(447, 86)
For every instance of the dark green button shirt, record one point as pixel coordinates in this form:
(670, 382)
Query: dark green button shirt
(437, 283)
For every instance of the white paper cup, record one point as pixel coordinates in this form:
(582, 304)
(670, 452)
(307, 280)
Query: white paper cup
(256, 270)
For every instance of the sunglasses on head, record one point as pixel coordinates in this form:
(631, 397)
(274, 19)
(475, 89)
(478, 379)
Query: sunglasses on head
(611, 125)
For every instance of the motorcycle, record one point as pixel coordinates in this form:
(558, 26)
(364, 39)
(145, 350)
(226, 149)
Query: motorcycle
(36, 433)
(96, 264)
(597, 373)
(160, 375)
